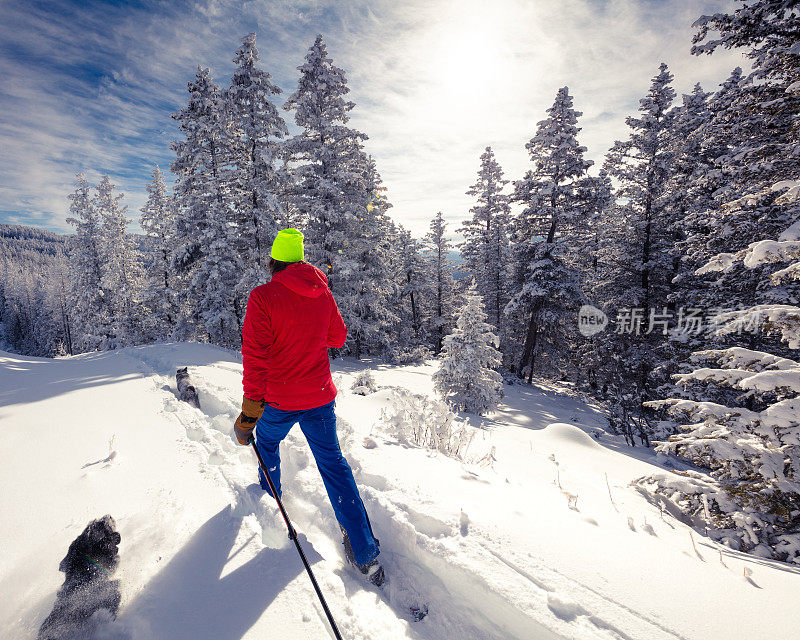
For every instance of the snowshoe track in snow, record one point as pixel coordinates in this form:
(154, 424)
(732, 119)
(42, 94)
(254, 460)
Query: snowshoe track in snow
(427, 561)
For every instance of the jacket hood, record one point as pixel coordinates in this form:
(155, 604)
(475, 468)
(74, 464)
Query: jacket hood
(302, 278)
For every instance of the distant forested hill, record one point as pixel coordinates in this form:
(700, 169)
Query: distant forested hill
(35, 292)
(29, 243)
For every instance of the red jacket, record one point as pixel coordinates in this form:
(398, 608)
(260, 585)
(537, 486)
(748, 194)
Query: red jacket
(289, 324)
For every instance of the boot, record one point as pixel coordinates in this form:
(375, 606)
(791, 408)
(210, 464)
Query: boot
(373, 569)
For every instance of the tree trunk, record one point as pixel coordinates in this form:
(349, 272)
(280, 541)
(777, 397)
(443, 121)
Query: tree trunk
(256, 230)
(65, 315)
(414, 319)
(530, 339)
(533, 351)
(65, 322)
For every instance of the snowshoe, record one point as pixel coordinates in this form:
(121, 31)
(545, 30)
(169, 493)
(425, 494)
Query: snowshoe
(373, 569)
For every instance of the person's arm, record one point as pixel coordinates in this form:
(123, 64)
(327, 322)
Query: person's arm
(337, 331)
(256, 340)
(256, 337)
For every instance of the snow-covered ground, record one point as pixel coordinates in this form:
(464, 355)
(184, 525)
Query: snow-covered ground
(545, 540)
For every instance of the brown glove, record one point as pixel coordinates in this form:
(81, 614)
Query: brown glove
(246, 422)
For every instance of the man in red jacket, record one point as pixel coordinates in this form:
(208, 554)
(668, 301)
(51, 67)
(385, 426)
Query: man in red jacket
(289, 324)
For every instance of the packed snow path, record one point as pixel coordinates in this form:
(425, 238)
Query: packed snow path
(546, 540)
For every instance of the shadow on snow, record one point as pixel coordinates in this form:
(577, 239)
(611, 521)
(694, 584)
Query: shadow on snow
(189, 599)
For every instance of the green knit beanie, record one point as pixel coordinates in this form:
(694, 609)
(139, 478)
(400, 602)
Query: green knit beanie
(288, 246)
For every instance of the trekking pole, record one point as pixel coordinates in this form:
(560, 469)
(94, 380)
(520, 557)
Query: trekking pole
(293, 537)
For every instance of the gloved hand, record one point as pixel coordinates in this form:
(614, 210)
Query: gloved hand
(246, 422)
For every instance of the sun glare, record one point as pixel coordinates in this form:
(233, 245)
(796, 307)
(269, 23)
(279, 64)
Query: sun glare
(470, 61)
(469, 66)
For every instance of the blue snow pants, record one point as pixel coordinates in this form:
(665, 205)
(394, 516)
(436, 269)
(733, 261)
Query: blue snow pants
(319, 428)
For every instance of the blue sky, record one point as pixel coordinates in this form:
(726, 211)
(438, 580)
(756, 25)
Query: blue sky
(89, 86)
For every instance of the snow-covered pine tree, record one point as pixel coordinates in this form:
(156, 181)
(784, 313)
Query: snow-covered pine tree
(767, 30)
(90, 307)
(643, 165)
(336, 189)
(746, 444)
(595, 196)
(638, 253)
(720, 229)
(61, 300)
(254, 129)
(205, 233)
(365, 281)
(746, 145)
(707, 174)
(215, 279)
(467, 378)
(122, 271)
(440, 304)
(160, 296)
(688, 192)
(330, 185)
(485, 248)
(546, 290)
(412, 285)
(691, 193)
(754, 123)
(747, 491)
(687, 198)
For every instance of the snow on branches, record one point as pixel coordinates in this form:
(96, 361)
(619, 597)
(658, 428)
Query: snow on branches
(749, 496)
(468, 377)
(415, 419)
(750, 452)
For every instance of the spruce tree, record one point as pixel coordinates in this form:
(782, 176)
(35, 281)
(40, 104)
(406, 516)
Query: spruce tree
(594, 195)
(160, 296)
(336, 190)
(330, 187)
(692, 190)
(468, 378)
(205, 229)
(485, 248)
(754, 122)
(746, 448)
(90, 306)
(719, 229)
(365, 282)
(584, 254)
(746, 146)
(643, 165)
(122, 273)
(546, 289)
(441, 298)
(254, 131)
(412, 285)
(767, 30)
(638, 253)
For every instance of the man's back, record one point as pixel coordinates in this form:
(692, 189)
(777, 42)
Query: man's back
(289, 325)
